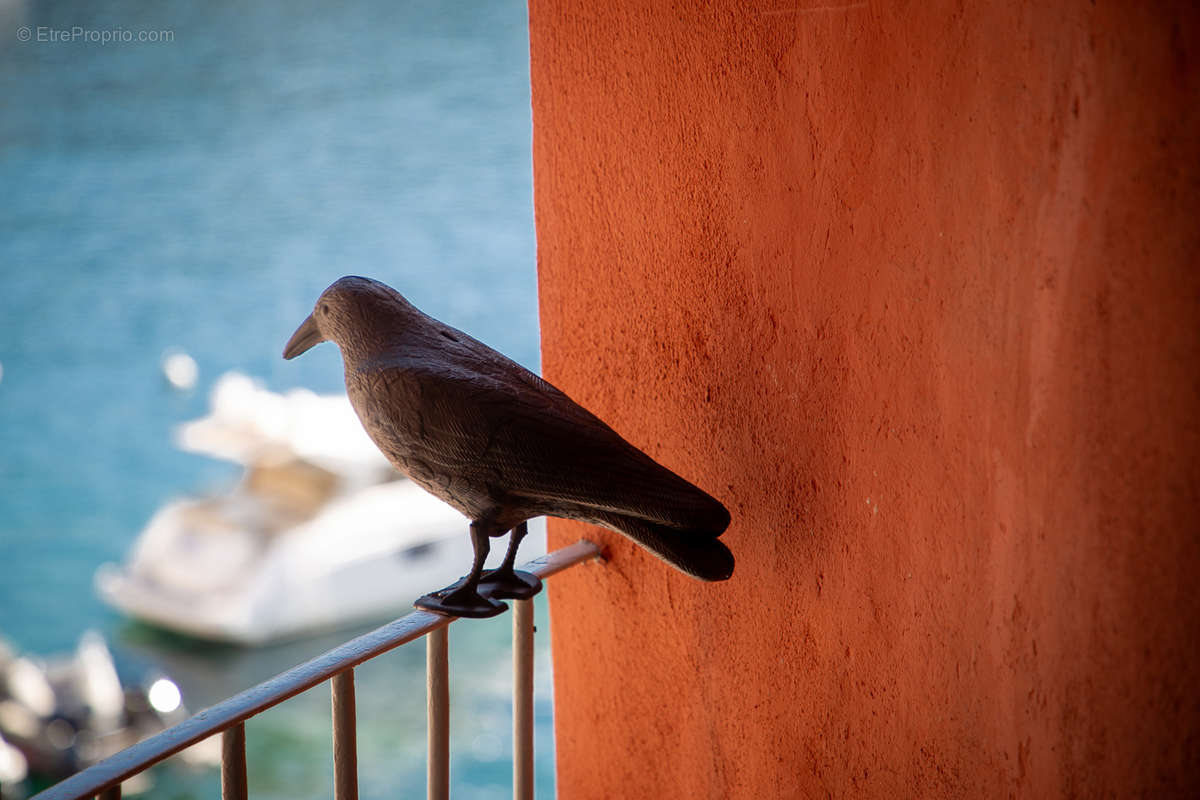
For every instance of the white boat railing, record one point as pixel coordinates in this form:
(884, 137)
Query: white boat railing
(103, 780)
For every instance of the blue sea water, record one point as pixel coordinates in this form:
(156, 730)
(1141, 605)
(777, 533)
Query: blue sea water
(197, 193)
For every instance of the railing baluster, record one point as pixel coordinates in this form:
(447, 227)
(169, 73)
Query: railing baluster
(437, 687)
(233, 763)
(523, 700)
(111, 793)
(345, 735)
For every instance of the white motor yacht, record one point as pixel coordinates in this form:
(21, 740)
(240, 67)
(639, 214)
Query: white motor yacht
(320, 532)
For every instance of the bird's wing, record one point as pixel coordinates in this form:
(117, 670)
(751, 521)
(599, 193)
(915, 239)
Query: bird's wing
(518, 434)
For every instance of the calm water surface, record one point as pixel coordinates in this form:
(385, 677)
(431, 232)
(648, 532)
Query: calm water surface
(197, 194)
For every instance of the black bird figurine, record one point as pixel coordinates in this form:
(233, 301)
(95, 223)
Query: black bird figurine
(500, 444)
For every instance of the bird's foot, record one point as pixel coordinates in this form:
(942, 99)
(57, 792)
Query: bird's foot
(461, 600)
(510, 584)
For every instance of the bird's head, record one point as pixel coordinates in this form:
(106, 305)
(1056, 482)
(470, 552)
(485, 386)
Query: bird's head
(351, 308)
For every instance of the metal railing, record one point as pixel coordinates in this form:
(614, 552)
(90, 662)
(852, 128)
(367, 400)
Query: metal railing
(103, 780)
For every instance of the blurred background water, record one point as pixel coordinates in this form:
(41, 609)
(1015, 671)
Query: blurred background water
(198, 194)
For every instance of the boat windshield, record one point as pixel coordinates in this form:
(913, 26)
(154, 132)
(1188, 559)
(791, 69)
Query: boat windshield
(295, 488)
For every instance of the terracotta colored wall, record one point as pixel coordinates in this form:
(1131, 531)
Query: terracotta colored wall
(913, 288)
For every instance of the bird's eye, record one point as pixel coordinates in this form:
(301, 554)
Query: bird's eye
(324, 308)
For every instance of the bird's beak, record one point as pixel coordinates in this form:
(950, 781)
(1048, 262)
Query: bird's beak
(307, 335)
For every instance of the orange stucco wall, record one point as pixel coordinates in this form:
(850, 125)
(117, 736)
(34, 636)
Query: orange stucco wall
(914, 289)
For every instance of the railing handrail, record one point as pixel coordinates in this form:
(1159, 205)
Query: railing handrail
(224, 715)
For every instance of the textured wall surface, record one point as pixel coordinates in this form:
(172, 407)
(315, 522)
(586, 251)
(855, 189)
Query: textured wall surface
(913, 289)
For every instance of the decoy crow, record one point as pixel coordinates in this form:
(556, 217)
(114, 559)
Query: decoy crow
(500, 444)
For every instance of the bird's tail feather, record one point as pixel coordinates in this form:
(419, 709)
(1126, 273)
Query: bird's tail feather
(699, 554)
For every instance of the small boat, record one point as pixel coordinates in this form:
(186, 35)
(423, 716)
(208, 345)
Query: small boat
(62, 714)
(321, 532)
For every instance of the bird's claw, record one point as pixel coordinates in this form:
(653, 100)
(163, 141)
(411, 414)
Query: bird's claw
(461, 600)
